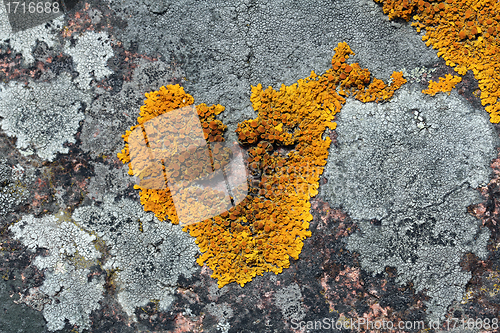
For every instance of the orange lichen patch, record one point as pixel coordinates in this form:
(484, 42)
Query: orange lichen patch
(251, 131)
(356, 80)
(189, 161)
(403, 9)
(445, 84)
(378, 91)
(465, 35)
(286, 154)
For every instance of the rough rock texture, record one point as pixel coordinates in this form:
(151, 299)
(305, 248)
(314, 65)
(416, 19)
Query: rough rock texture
(406, 170)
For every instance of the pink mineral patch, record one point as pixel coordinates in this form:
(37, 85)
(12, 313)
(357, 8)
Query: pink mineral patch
(184, 324)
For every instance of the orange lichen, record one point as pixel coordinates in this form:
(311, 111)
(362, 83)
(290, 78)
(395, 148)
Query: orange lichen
(445, 84)
(353, 79)
(465, 33)
(161, 102)
(286, 154)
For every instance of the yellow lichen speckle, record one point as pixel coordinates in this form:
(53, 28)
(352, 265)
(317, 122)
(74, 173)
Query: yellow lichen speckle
(445, 84)
(286, 153)
(465, 33)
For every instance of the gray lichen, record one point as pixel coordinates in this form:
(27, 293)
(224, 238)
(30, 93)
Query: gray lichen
(11, 196)
(147, 255)
(63, 239)
(386, 163)
(223, 313)
(112, 114)
(73, 297)
(426, 247)
(43, 116)
(91, 54)
(67, 292)
(289, 300)
(151, 75)
(146, 259)
(108, 180)
(417, 74)
(411, 165)
(12, 191)
(5, 172)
